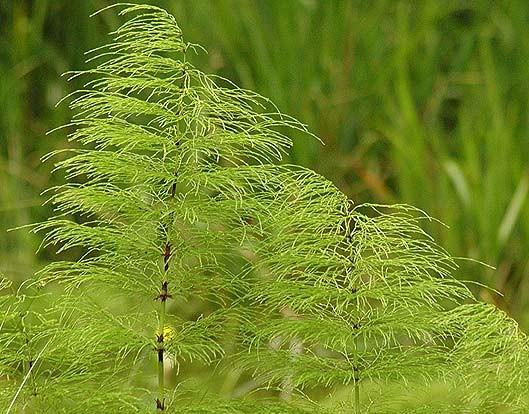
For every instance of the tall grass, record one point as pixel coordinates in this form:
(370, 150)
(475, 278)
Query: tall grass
(424, 104)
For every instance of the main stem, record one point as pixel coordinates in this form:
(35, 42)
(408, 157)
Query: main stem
(357, 398)
(356, 379)
(160, 401)
(164, 295)
(349, 226)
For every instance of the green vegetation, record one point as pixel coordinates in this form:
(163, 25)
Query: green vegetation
(189, 272)
(204, 263)
(424, 105)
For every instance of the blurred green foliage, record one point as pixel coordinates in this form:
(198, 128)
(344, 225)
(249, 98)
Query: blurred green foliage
(417, 102)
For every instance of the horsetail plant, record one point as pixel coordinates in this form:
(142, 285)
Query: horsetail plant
(199, 249)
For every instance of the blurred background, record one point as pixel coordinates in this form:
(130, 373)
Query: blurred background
(423, 103)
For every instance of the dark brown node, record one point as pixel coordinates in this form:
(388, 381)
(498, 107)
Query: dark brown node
(166, 255)
(163, 294)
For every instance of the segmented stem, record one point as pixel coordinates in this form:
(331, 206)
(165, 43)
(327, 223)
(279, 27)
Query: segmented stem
(356, 379)
(160, 401)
